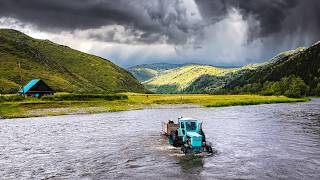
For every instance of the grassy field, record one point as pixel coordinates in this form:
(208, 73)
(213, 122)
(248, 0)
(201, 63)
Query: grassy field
(74, 104)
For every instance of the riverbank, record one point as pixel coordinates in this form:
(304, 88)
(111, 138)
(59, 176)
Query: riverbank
(55, 106)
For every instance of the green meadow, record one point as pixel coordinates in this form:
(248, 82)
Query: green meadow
(12, 106)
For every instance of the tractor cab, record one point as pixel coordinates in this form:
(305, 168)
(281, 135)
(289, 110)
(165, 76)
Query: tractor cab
(189, 128)
(191, 132)
(188, 135)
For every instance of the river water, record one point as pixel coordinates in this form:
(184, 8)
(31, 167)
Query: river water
(276, 141)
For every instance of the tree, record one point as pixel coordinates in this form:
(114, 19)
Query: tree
(291, 86)
(296, 87)
(317, 90)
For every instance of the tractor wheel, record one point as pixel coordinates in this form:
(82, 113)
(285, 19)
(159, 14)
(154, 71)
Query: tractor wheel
(209, 149)
(183, 148)
(178, 142)
(174, 139)
(171, 138)
(186, 150)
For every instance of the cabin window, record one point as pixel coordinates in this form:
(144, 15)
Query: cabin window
(182, 125)
(191, 126)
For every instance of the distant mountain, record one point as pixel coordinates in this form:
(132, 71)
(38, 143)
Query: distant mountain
(157, 66)
(304, 63)
(61, 67)
(146, 72)
(179, 79)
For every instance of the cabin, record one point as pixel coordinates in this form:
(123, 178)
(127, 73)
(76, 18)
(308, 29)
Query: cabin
(36, 88)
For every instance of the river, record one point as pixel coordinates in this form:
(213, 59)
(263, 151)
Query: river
(275, 141)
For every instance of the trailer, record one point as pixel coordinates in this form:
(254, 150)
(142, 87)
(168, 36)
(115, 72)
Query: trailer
(169, 126)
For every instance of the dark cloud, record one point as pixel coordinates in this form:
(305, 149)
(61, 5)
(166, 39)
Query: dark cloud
(283, 24)
(213, 11)
(67, 14)
(278, 24)
(273, 15)
(162, 17)
(270, 13)
(154, 18)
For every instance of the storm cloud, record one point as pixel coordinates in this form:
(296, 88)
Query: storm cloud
(219, 32)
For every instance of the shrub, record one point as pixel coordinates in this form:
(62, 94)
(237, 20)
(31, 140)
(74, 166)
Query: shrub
(85, 97)
(12, 98)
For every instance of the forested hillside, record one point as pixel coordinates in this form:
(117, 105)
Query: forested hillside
(302, 63)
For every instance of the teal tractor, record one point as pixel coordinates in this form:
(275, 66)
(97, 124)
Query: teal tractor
(188, 135)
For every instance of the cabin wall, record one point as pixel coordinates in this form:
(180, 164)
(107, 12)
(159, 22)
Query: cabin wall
(41, 86)
(38, 94)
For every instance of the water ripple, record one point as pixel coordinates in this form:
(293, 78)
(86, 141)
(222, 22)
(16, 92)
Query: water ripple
(276, 141)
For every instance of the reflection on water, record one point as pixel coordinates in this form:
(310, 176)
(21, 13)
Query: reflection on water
(252, 142)
(191, 164)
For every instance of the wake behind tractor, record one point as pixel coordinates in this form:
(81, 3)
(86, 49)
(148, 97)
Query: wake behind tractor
(188, 135)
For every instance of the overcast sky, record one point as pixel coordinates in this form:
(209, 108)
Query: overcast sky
(130, 32)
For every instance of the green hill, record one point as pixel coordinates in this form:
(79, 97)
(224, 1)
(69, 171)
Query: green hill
(146, 72)
(303, 63)
(178, 79)
(62, 68)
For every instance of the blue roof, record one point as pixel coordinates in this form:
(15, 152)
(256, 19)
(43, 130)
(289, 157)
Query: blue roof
(187, 119)
(27, 87)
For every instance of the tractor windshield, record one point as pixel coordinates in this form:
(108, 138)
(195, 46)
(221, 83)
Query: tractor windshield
(191, 126)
